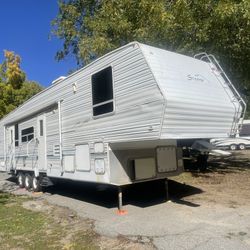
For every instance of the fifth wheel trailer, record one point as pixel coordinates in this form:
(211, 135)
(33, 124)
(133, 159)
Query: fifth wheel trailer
(122, 119)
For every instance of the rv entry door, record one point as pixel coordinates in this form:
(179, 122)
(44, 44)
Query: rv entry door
(10, 146)
(41, 142)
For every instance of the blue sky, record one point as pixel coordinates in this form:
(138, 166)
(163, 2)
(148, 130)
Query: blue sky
(25, 29)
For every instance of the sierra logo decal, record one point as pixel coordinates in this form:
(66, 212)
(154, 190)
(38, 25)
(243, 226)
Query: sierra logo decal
(196, 77)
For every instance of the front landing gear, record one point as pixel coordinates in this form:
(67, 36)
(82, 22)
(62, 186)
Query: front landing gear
(120, 211)
(166, 189)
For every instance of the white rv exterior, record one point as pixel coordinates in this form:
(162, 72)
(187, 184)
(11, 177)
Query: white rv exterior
(120, 119)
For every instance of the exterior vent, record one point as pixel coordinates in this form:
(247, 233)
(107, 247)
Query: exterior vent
(56, 150)
(59, 79)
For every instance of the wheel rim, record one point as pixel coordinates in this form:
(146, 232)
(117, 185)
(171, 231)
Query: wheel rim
(242, 146)
(35, 183)
(27, 184)
(233, 147)
(20, 181)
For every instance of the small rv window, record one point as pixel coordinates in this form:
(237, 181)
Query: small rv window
(11, 136)
(27, 134)
(41, 127)
(102, 92)
(16, 135)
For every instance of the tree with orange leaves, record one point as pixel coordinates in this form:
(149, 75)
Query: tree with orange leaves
(14, 88)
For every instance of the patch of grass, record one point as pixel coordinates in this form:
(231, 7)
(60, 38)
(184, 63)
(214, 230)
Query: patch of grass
(4, 197)
(77, 242)
(21, 228)
(185, 177)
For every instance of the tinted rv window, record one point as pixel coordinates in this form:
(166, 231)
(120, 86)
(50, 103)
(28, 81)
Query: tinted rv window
(41, 127)
(16, 135)
(102, 92)
(27, 134)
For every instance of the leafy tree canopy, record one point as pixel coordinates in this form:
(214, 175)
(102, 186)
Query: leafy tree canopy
(14, 88)
(91, 28)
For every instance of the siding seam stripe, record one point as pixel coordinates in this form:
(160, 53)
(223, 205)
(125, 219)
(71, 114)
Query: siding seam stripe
(159, 87)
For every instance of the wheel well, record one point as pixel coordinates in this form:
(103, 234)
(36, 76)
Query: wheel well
(24, 172)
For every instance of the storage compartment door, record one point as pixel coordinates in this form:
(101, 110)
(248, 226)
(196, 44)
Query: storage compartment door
(41, 142)
(10, 148)
(144, 168)
(82, 158)
(68, 163)
(166, 159)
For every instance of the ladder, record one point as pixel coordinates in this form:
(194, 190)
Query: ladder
(239, 113)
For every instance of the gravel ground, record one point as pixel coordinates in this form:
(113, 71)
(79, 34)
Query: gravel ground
(207, 210)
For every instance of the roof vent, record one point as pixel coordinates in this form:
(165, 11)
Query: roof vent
(59, 79)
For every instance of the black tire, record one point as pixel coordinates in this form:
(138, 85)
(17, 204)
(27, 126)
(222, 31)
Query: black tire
(20, 180)
(28, 182)
(233, 147)
(36, 184)
(242, 146)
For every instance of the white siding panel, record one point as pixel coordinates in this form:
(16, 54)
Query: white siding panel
(138, 106)
(195, 108)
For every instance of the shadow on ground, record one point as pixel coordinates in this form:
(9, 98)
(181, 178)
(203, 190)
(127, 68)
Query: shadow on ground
(237, 162)
(141, 195)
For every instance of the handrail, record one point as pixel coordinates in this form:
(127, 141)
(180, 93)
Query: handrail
(27, 146)
(231, 85)
(212, 60)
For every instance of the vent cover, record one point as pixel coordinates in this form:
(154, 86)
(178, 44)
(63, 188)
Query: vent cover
(56, 150)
